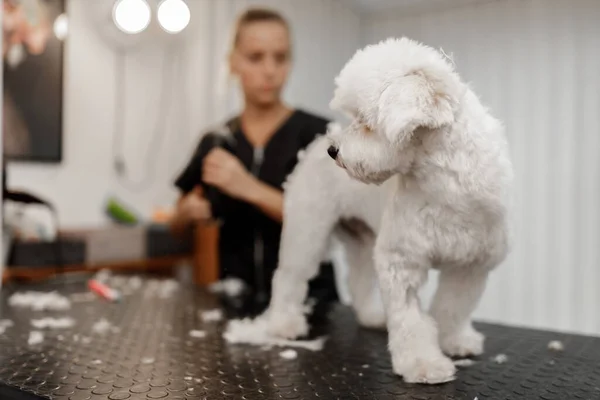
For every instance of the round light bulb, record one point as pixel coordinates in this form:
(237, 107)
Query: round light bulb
(173, 15)
(131, 16)
(61, 26)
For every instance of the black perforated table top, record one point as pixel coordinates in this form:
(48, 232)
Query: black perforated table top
(147, 353)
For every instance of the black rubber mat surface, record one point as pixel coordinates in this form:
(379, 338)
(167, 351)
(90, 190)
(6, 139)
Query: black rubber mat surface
(149, 354)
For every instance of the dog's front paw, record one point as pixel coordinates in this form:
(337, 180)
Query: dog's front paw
(428, 370)
(469, 342)
(287, 326)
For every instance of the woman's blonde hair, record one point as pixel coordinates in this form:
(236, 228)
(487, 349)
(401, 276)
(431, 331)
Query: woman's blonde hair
(256, 14)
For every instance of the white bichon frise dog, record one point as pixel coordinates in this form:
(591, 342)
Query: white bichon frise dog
(417, 125)
(414, 119)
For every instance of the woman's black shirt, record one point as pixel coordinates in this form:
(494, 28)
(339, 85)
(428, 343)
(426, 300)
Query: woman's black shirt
(249, 239)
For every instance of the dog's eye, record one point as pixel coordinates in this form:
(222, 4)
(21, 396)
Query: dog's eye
(367, 129)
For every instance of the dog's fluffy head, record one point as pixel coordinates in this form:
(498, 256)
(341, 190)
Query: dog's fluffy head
(390, 90)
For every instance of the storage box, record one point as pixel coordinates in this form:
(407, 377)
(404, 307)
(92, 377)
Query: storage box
(115, 243)
(160, 242)
(47, 254)
(111, 243)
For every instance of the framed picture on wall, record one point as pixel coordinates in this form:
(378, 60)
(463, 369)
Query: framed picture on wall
(33, 52)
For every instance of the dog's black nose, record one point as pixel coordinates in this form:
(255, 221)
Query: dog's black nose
(332, 151)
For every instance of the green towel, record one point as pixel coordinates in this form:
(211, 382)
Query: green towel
(120, 213)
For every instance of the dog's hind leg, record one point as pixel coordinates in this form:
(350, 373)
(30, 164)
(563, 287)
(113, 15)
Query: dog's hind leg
(460, 288)
(362, 281)
(338, 255)
(458, 293)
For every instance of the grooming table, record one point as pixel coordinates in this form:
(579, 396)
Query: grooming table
(152, 356)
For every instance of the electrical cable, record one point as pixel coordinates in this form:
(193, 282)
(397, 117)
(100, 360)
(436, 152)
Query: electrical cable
(180, 136)
(185, 103)
(160, 126)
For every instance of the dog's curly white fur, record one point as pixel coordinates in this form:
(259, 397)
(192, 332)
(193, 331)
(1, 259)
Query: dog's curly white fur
(322, 203)
(413, 118)
(445, 206)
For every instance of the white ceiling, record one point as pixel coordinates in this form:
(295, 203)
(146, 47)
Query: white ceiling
(375, 6)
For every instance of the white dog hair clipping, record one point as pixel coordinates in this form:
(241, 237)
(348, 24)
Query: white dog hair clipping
(449, 58)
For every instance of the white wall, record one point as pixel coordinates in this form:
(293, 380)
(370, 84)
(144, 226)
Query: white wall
(325, 31)
(536, 63)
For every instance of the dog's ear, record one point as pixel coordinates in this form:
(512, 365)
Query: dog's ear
(417, 100)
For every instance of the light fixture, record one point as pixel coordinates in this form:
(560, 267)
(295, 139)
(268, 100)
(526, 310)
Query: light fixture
(61, 26)
(131, 16)
(173, 15)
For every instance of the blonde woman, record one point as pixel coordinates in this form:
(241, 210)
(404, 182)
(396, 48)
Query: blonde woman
(248, 176)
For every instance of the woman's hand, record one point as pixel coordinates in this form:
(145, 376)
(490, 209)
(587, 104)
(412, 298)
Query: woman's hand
(224, 171)
(193, 207)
